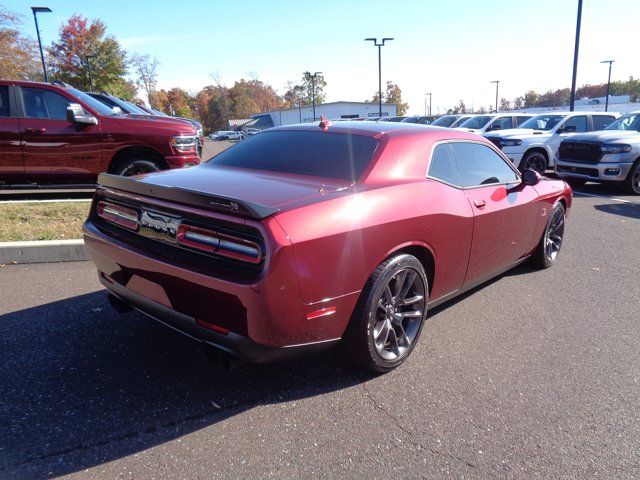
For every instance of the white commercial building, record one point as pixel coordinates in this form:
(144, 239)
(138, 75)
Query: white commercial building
(332, 111)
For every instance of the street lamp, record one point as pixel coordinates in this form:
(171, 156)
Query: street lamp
(575, 58)
(379, 45)
(606, 106)
(313, 90)
(497, 82)
(36, 10)
(87, 57)
(425, 103)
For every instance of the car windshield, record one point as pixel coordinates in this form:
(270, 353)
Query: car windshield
(444, 121)
(542, 122)
(321, 154)
(134, 108)
(97, 105)
(628, 122)
(476, 122)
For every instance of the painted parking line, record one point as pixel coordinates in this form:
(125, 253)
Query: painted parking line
(576, 192)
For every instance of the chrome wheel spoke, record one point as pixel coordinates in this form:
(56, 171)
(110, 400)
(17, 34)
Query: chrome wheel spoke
(400, 281)
(412, 314)
(409, 280)
(393, 342)
(383, 334)
(412, 300)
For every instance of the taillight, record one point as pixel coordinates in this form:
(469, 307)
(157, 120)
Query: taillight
(217, 243)
(123, 216)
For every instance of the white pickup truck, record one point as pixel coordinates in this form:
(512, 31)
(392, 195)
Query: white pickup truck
(534, 144)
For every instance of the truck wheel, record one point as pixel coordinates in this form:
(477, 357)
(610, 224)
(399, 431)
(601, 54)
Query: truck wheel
(535, 161)
(547, 251)
(136, 166)
(632, 183)
(389, 315)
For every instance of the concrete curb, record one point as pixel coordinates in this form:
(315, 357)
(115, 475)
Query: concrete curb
(43, 251)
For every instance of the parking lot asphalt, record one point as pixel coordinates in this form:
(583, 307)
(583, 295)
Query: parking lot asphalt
(533, 375)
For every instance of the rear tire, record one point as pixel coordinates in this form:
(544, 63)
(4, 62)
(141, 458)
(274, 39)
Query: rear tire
(388, 318)
(136, 166)
(548, 248)
(632, 182)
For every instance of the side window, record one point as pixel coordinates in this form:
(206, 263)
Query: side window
(521, 120)
(4, 101)
(504, 122)
(443, 165)
(601, 121)
(580, 122)
(43, 103)
(479, 165)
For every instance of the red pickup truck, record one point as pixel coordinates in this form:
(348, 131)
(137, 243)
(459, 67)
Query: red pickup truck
(53, 133)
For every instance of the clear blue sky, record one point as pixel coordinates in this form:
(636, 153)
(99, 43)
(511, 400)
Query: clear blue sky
(452, 48)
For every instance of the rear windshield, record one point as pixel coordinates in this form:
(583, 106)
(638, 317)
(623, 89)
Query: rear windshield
(333, 155)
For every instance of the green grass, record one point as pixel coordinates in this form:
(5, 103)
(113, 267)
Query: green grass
(42, 221)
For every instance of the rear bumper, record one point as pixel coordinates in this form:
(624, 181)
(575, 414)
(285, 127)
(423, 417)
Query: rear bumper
(603, 171)
(264, 319)
(237, 345)
(182, 161)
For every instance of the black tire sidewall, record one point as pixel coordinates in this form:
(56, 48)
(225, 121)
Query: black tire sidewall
(629, 180)
(137, 162)
(528, 156)
(541, 254)
(372, 359)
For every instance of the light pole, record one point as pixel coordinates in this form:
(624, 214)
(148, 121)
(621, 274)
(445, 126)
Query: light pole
(425, 103)
(87, 57)
(36, 10)
(572, 102)
(379, 45)
(606, 105)
(313, 90)
(497, 82)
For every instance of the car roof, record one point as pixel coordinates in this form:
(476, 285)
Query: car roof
(378, 129)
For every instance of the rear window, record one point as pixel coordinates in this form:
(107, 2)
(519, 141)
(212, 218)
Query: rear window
(333, 155)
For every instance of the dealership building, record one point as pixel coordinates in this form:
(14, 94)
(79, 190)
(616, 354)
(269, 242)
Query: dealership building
(303, 114)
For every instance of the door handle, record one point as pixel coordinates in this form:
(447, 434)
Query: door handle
(36, 130)
(479, 203)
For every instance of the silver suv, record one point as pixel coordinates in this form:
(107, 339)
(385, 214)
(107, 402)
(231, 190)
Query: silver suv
(611, 155)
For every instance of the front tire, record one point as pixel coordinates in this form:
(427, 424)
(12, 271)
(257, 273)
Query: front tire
(137, 166)
(389, 315)
(535, 160)
(548, 249)
(632, 183)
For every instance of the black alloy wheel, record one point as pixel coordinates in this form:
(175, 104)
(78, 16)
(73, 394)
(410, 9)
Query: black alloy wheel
(535, 161)
(550, 244)
(390, 314)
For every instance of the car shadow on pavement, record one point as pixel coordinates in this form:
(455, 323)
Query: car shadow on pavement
(82, 385)
(623, 209)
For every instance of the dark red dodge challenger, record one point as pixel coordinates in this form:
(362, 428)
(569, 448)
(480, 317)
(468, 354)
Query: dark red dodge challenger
(307, 236)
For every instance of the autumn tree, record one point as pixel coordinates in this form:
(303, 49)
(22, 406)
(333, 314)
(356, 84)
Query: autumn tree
(505, 105)
(146, 68)
(518, 103)
(392, 94)
(68, 58)
(318, 85)
(19, 58)
(294, 96)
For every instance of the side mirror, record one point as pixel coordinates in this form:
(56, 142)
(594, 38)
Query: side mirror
(76, 114)
(531, 177)
(567, 129)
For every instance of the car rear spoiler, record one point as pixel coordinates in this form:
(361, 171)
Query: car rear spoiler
(189, 197)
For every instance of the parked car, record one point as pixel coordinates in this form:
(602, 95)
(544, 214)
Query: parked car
(228, 135)
(534, 144)
(486, 123)
(391, 119)
(446, 120)
(304, 237)
(249, 131)
(115, 102)
(57, 134)
(610, 155)
(420, 119)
